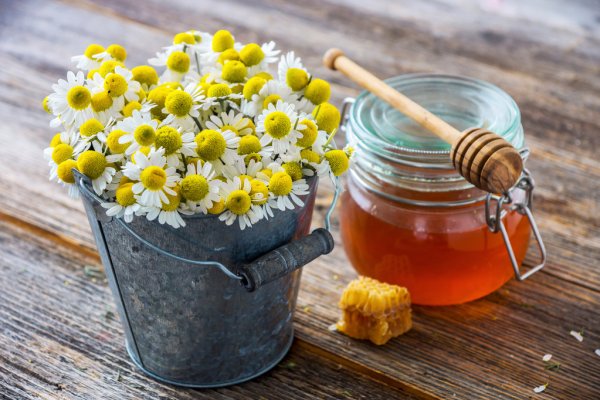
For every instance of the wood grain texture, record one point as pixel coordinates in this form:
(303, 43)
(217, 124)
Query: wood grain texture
(545, 54)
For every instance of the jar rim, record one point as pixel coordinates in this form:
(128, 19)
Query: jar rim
(362, 120)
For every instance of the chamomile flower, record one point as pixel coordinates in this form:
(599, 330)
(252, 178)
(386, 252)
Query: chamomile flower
(231, 121)
(269, 94)
(291, 71)
(141, 131)
(175, 144)
(71, 100)
(94, 165)
(154, 180)
(168, 211)
(88, 60)
(120, 84)
(177, 63)
(285, 191)
(238, 203)
(63, 146)
(199, 188)
(104, 106)
(281, 127)
(217, 148)
(113, 52)
(182, 106)
(125, 205)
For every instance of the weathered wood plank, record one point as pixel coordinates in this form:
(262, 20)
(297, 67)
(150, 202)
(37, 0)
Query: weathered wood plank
(489, 348)
(60, 338)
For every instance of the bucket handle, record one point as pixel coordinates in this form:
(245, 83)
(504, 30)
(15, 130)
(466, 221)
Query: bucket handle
(267, 268)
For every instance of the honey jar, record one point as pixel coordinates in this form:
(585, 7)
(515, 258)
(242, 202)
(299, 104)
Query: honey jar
(408, 218)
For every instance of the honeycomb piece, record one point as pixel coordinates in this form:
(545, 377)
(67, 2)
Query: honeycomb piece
(374, 310)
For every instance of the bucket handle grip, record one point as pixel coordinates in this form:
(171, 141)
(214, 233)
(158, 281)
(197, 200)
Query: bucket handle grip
(268, 267)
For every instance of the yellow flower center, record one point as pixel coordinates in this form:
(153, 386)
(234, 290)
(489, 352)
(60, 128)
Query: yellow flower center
(184, 37)
(168, 138)
(174, 201)
(265, 75)
(194, 187)
(65, 171)
(91, 127)
(252, 156)
(318, 91)
(296, 78)
(293, 169)
(79, 97)
(338, 161)
(101, 101)
(249, 144)
(130, 108)
(266, 171)
(259, 192)
(218, 90)
(144, 135)
(280, 184)
(234, 71)
(117, 52)
(61, 152)
(115, 85)
(278, 124)
(108, 67)
(309, 134)
(91, 163)
(55, 140)
(229, 54)
(178, 61)
(222, 40)
(178, 103)
(145, 74)
(271, 99)
(217, 207)
(158, 95)
(92, 50)
(250, 124)
(125, 196)
(153, 178)
(238, 202)
(253, 86)
(112, 141)
(251, 54)
(327, 116)
(211, 144)
(45, 105)
(310, 156)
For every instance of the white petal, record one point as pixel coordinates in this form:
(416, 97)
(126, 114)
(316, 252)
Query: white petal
(540, 389)
(577, 335)
(547, 357)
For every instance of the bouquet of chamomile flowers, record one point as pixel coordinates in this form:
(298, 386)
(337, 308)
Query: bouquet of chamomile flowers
(211, 126)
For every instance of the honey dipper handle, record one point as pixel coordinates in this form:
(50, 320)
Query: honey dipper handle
(336, 60)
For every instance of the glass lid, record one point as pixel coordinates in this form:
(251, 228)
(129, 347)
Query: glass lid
(462, 102)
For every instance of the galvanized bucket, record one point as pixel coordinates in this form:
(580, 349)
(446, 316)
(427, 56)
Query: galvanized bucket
(180, 293)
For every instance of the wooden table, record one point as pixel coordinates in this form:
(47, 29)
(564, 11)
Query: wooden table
(59, 334)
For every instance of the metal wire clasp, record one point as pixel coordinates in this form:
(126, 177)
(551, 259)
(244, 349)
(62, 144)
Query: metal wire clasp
(494, 216)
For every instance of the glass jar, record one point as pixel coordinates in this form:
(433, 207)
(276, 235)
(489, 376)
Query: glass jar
(409, 218)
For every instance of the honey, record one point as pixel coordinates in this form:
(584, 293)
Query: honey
(442, 257)
(407, 217)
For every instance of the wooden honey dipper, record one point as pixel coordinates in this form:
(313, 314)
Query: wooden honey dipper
(482, 157)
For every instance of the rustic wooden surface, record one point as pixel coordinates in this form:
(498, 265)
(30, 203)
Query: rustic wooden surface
(59, 335)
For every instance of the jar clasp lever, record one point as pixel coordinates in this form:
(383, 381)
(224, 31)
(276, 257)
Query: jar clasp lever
(495, 224)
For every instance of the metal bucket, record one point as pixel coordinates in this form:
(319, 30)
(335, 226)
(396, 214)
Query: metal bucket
(180, 292)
